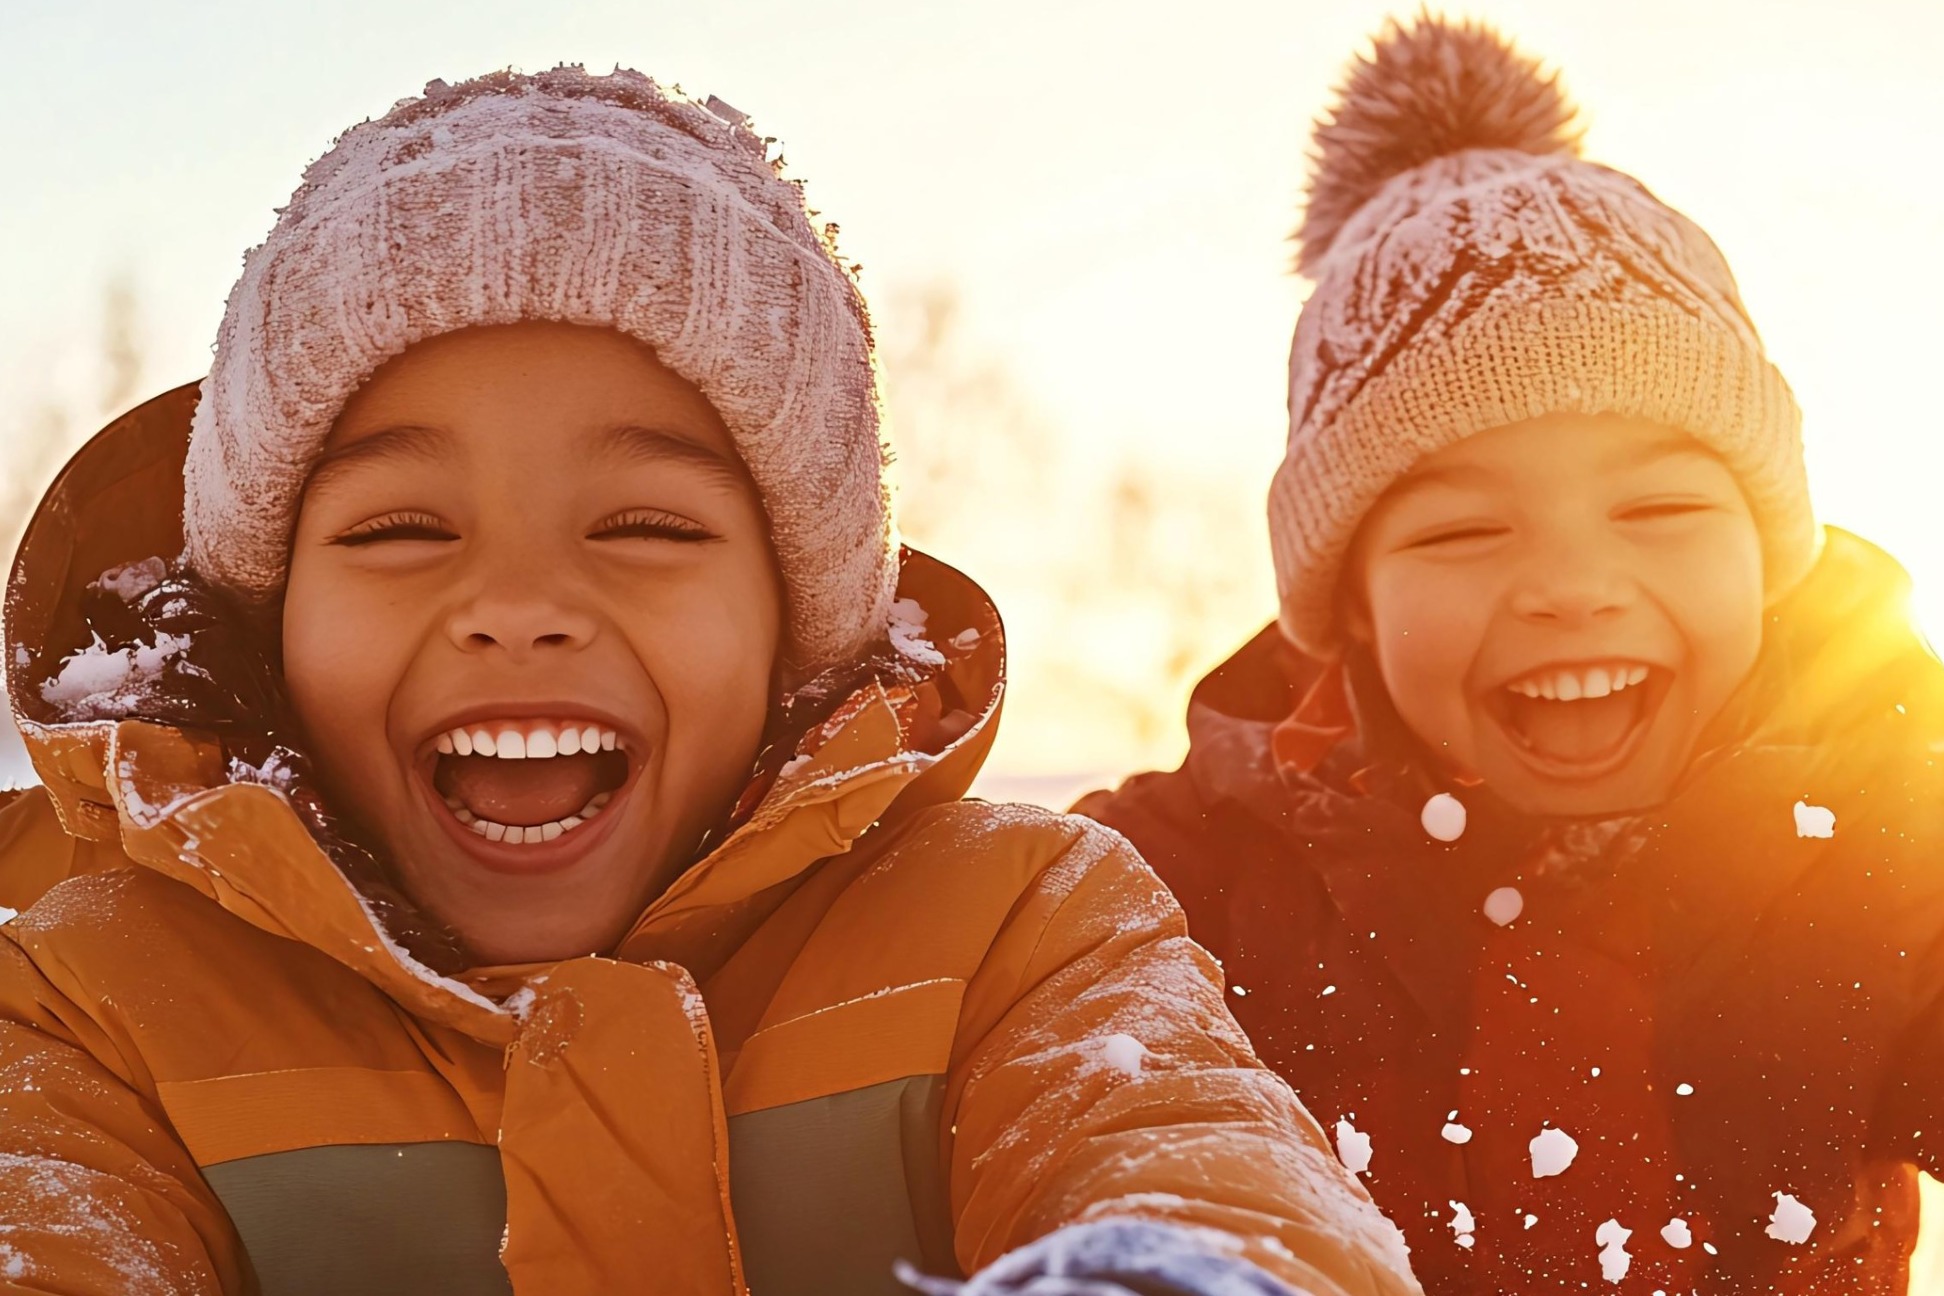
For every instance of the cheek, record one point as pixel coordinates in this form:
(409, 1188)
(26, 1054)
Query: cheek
(343, 652)
(709, 644)
(1713, 592)
(1426, 627)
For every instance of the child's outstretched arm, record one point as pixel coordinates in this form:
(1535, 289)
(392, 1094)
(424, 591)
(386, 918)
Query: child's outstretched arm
(97, 1195)
(1099, 1077)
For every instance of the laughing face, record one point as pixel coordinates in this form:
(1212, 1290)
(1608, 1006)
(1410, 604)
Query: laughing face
(1560, 606)
(531, 629)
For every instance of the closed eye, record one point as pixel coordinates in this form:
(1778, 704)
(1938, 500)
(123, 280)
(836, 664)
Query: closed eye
(394, 527)
(651, 524)
(1456, 535)
(1659, 510)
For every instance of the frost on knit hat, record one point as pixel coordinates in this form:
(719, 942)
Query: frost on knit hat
(592, 200)
(1471, 271)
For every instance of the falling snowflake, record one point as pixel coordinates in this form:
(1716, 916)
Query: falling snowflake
(1552, 1151)
(1444, 817)
(1677, 1234)
(1613, 1250)
(1504, 905)
(1792, 1221)
(1453, 1132)
(1814, 820)
(1684, 1089)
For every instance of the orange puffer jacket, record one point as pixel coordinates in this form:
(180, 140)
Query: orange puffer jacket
(877, 1022)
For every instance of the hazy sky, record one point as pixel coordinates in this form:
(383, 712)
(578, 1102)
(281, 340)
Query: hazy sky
(1110, 184)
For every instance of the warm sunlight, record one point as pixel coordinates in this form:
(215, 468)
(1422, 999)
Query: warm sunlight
(1073, 220)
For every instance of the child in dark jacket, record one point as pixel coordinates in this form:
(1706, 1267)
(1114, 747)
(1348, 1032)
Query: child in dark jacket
(1571, 844)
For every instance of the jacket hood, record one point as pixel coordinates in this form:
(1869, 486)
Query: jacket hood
(180, 797)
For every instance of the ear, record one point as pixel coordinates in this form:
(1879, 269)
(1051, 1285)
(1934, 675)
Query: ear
(1353, 608)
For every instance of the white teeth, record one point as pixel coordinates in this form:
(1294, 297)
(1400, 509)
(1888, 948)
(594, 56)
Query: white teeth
(532, 741)
(1572, 685)
(526, 834)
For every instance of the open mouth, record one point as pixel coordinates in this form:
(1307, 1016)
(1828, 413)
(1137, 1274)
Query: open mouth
(527, 782)
(1580, 721)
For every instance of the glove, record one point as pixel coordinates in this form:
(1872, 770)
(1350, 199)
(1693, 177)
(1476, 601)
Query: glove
(1110, 1258)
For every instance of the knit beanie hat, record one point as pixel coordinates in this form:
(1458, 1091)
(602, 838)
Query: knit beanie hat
(1471, 271)
(593, 200)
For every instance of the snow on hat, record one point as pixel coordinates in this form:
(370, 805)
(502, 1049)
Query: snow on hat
(1472, 271)
(593, 200)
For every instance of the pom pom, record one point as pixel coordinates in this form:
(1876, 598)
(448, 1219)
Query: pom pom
(1425, 91)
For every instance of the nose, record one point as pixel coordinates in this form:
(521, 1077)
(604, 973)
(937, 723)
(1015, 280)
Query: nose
(520, 608)
(1570, 588)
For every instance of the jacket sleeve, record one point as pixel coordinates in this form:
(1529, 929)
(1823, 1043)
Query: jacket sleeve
(1099, 1076)
(97, 1195)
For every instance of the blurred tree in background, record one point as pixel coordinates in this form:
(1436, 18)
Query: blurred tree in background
(1122, 578)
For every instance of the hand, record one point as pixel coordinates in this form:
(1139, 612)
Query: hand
(1112, 1258)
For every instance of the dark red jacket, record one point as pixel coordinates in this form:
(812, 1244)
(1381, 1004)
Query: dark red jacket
(1716, 1009)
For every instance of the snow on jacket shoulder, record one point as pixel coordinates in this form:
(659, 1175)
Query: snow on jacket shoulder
(876, 1023)
(1716, 1004)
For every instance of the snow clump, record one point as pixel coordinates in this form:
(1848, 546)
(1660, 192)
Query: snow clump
(1462, 1223)
(130, 581)
(908, 634)
(1123, 1053)
(1677, 1234)
(1353, 1147)
(97, 682)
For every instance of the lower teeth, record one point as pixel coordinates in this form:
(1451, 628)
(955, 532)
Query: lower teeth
(527, 834)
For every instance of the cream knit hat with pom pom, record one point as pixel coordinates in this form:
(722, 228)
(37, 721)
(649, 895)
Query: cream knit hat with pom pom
(1471, 271)
(595, 200)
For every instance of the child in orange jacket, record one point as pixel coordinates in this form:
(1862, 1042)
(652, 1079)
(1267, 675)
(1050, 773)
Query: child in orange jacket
(518, 846)
(1571, 845)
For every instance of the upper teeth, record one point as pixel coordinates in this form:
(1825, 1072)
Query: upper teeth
(1570, 684)
(526, 739)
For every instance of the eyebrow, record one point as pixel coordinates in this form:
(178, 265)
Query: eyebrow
(1675, 445)
(406, 443)
(639, 444)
